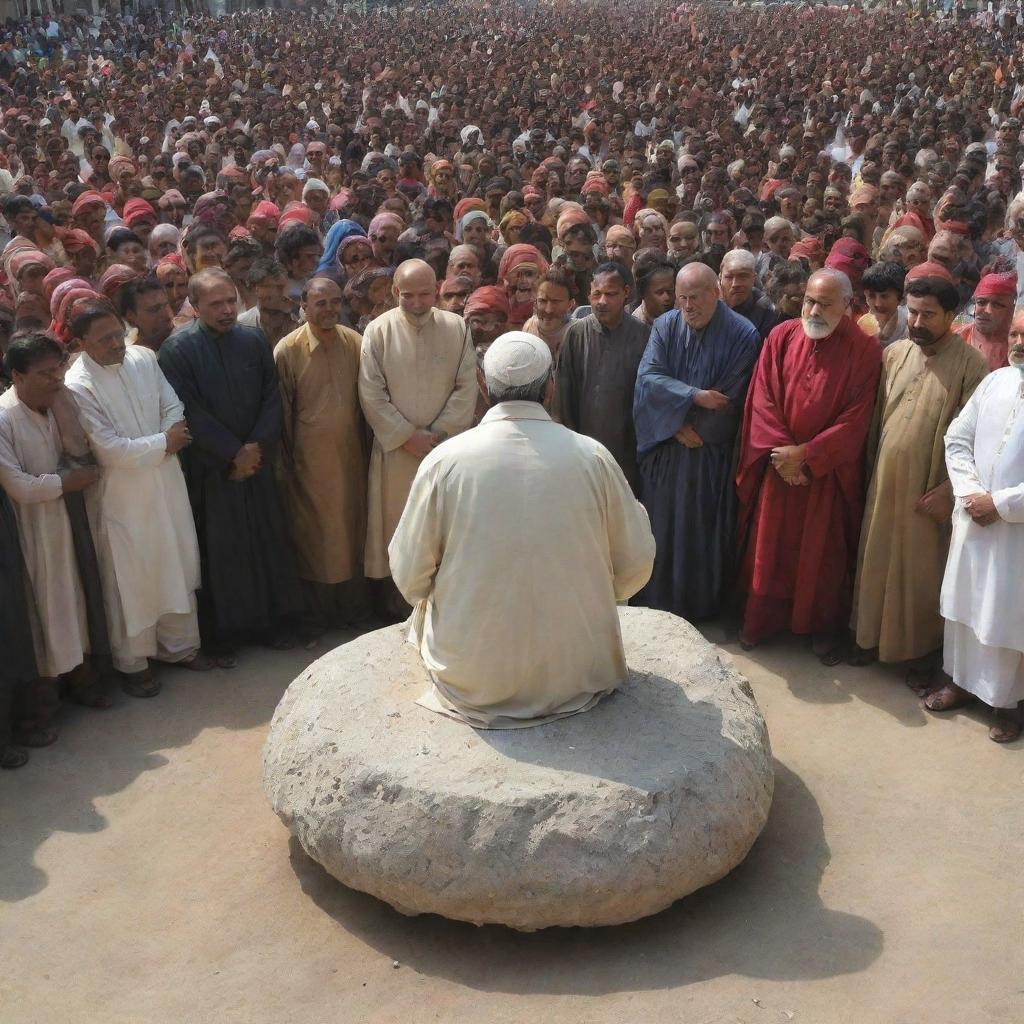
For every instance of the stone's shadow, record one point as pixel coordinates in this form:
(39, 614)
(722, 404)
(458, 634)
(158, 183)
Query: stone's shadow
(103, 752)
(591, 743)
(764, 920)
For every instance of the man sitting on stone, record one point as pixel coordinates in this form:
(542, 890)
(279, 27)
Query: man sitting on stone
(493, 515)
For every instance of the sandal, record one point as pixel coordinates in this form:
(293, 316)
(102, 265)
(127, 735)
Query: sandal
(12, 757)
(948, 698)
(140, 684)
(1007, 725)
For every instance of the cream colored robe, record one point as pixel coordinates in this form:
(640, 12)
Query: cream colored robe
(145, 534)
(410, 378)
(323, 452)
(902, 552)
(517, 540)
(30, 456)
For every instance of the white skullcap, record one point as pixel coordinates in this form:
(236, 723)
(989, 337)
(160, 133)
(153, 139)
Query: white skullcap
(516, 359)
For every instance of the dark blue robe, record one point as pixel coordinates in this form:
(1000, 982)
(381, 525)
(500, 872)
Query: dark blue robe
(689, 493)
(228, 385)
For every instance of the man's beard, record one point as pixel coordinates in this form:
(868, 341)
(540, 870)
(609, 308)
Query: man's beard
(418, 319)
(1016, 358)
(816, 328)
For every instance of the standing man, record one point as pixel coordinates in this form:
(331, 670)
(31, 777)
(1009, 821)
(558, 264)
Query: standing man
(800, 474)
(417, 387)
(224, 374)
(926, 381)
(146, 539)
(738, 277)
(689, 402)
(323, 455)
(984, 637)
(993, 310)
(597, 368)
(467, 541)
(147, 312)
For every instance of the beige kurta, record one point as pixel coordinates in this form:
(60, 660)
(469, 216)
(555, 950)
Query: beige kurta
(903, 552)
(145, 535)
(30, 456)
(410, 378)
(323, 452)
(517, 540)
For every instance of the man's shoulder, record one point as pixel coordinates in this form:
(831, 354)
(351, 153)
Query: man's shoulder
(741, 325)
(450, 321)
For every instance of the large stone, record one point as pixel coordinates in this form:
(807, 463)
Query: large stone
(596, 819)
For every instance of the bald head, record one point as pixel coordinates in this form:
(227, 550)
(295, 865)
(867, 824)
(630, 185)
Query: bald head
(415, 286)
(697, 294)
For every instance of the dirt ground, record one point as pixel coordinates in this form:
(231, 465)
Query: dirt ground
(144, 880)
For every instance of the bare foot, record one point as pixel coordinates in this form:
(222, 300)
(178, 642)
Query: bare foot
(948, 698)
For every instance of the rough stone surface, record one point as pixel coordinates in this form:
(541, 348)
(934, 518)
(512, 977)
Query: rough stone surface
(597, 819)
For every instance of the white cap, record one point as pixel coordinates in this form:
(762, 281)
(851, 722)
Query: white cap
(516, 359)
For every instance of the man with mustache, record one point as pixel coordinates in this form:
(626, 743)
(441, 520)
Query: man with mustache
(800, 476)
(927, 379)
(993, 311)
(984, 635)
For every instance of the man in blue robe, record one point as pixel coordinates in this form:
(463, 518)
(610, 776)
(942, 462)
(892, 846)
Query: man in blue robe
(224, 374)
(687, 408)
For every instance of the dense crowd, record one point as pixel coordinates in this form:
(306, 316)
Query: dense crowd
(252, 265)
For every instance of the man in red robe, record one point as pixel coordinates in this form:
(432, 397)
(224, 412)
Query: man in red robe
(994, 300)
(801, 468)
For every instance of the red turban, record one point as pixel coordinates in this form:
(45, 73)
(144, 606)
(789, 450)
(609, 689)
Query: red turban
(809, 248)
(265, 210)
(138, 211)
(958, 227)
(115, 278)
(20, 260)
(239, 232)
(463, 206)
(341, 200)
(76, 240)
(60, 325)
(596, 182)
(86, 201)
(489, 299)
(519, 254)
(299, 212)
(172, 259)
(55, 277)
(850, 257)
(997, 284)
(929, 269)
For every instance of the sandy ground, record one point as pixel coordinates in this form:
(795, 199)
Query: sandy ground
(143, 880)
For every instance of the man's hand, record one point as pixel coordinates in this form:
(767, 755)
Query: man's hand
(689, 437)
(78, 479)
(789, 463)
(715, 401)
(421, 444)
(246, 462)
(178, 437)
(981, 508)
(936, 504)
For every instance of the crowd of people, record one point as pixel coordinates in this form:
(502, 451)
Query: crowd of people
(252, 266)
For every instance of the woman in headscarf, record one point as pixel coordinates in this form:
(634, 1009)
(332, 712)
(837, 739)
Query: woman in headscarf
(340, 231)
(383, 234)
(441, 175)
(368, 295)
(510, 225)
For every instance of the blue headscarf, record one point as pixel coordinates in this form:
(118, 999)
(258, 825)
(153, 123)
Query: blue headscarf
(337, 234)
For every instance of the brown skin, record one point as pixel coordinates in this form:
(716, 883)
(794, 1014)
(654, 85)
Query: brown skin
(152, 318)
(322, 306)
(608, 297)
(552, 306)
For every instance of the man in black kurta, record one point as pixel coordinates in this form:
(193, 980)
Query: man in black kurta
(224, 374)
(597, 366)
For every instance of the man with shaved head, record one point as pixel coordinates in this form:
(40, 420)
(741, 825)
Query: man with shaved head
(738, 279)
(323, 456)
(417, 387)
(687, 407)
(801, 469)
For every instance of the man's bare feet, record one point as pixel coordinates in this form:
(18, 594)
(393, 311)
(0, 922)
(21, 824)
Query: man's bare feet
(947, 698)
(1007, 725)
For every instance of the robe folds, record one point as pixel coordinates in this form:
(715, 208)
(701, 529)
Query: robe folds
(493, 516)
(798, 544)
(758, 309)
(411, 377)
(146, 538)
(596, 379)
(902, 551)
(981, 590)
(228, 385)
(17, 655)
(690, 493)
(323, 452)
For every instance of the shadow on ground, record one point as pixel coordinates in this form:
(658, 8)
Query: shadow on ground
(102, 752)
(764, 920)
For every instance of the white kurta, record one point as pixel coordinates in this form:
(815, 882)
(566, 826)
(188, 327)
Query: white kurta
(146, 537)
(30, 455)
(517, 540)
(981, 589)
(410, 378)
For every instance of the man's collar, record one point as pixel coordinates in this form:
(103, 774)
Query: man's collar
(515, 411)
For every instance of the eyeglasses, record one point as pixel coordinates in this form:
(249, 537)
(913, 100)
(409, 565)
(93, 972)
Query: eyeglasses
(359, 257)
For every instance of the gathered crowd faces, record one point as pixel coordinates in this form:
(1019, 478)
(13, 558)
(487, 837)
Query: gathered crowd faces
(250, 278)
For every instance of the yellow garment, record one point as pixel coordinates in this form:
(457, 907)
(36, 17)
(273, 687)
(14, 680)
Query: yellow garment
(903, 552)
(323, 452)
(518, 538)
(411, 377)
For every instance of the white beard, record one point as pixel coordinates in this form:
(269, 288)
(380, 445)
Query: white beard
(816, 330)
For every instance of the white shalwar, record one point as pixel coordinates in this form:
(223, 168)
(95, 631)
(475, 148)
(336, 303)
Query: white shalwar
(146, 536)
(981, 592)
